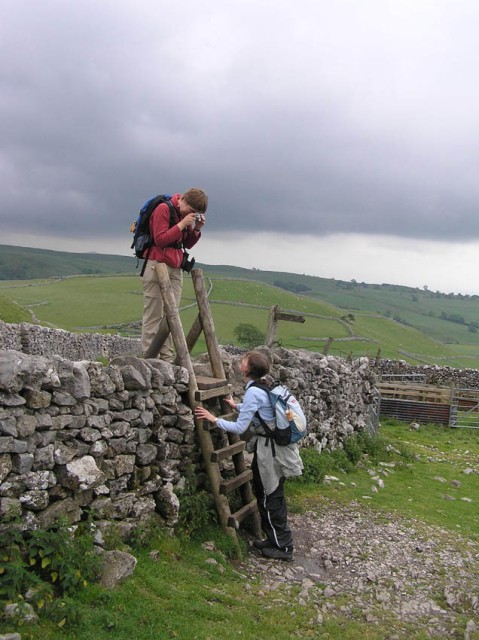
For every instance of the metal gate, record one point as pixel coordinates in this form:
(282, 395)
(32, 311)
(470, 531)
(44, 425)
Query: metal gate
(464, 409)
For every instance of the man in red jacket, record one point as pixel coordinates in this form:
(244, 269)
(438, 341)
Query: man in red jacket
(190, 209)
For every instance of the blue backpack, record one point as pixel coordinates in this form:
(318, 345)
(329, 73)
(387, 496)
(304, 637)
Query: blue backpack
(291, 424)
(142, 238)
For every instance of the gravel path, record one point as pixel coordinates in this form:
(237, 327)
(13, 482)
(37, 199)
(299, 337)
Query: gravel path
(354, 562)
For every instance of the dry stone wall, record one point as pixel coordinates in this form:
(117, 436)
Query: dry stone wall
(36, 340)
(434, 374)
(118, 442)
(78, 438)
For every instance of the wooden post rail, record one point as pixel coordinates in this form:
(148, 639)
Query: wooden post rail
(275, 314)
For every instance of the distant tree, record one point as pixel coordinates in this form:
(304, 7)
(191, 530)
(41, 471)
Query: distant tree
(248, 335)
(295, 287)
(453, 317)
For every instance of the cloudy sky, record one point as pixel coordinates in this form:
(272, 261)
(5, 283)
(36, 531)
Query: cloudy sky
(337, 138)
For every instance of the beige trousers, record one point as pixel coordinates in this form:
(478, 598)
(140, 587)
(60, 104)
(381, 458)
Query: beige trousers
(153, 308)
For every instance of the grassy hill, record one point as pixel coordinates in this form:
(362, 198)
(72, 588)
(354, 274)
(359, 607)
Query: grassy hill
(405, 323)
(449, 318)
(12, 312)
(23, 263)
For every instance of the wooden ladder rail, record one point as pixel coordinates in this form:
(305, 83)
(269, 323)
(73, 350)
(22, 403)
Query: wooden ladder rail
(205, 318)
(218, 388)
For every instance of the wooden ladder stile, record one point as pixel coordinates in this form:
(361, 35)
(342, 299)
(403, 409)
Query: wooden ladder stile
(204, 388)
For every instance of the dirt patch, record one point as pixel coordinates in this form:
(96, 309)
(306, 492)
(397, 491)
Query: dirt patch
(352, 561)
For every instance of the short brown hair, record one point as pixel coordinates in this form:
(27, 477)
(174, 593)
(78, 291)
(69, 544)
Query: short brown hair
(197, 199)
(258, 364)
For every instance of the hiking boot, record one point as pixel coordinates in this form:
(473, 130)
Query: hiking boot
(277, 554)
(261, 544)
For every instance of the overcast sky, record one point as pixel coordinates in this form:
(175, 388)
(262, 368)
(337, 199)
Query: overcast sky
(337, 138)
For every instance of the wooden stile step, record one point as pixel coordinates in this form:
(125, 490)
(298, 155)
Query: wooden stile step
(240, 515)
(214, 392)
(226, 486)
(206, 382)
(228, 452)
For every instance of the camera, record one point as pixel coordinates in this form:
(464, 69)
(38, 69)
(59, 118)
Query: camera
(198, 217)
(187, 265)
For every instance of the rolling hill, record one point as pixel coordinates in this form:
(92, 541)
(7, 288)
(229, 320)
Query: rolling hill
(356, 318)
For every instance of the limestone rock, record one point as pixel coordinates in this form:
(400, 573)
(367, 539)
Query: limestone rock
(117, 566)
(83, 474)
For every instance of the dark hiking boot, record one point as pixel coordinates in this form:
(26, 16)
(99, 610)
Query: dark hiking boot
(261, 544)
(277, 554)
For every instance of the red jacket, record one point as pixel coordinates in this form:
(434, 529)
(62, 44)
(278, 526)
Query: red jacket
(165, 235)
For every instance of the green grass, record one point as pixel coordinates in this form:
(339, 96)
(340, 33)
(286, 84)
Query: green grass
(82, 302)
(99, 303)
(182, 596)
(427, 481)
(12, 312)
(364, 320)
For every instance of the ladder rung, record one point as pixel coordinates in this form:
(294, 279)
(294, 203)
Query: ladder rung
(205, 394)
(226, 486)
(240, 515)
(204, 382)
(227, 452)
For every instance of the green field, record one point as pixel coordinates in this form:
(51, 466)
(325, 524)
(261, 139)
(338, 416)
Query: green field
(91, 292)
(112, 303)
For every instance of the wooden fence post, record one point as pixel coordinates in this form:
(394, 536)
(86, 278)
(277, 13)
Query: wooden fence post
(272, 324)
(276, 314)
(327, 344)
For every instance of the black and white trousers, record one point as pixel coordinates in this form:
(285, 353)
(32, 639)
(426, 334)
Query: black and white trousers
(273, 511)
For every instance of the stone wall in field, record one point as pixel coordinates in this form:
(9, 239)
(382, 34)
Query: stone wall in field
(118, 442)
(78, 438)
(433, 374)
(36, 340)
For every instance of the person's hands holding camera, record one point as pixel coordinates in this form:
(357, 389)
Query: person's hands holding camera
(199, 221)
(194, 220)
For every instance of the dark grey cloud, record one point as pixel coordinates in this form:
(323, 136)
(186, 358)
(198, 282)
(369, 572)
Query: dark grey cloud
(324, 117)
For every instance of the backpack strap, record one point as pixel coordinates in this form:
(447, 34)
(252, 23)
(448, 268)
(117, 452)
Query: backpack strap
(268, 431)
(173, 221)
(268, 434)
(145, 260)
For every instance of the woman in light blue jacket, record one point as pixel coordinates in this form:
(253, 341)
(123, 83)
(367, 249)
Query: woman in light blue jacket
(271, 464)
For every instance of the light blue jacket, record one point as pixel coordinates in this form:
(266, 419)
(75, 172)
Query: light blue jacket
(276, 462)
(254, 400)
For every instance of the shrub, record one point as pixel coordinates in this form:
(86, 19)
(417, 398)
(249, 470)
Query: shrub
(197, 513)
(356, 447)
(45, 563)
(248, 335)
